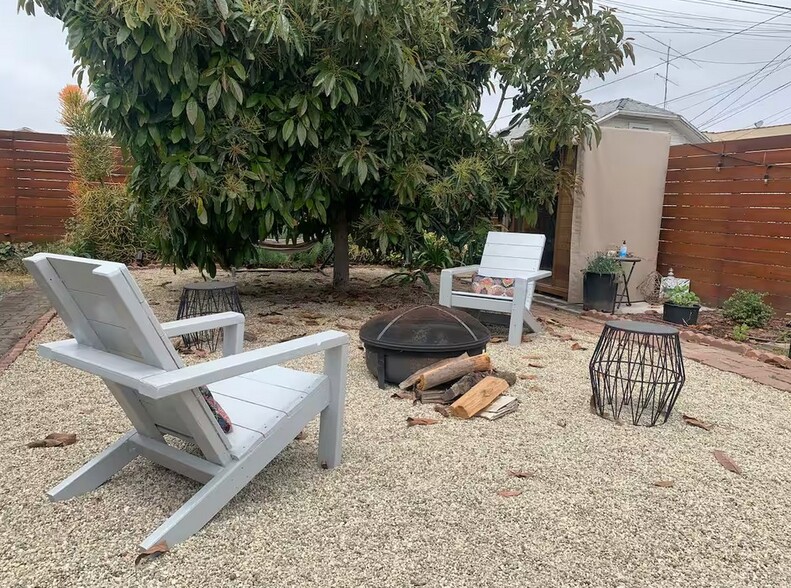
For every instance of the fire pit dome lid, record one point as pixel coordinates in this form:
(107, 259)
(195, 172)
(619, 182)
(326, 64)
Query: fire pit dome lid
(424, 328)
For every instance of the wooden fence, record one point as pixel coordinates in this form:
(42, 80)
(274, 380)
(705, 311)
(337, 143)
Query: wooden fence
(727, 218)
(34, 186)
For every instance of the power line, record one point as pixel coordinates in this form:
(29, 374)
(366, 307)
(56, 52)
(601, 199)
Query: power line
(761, 4)
(750, 104)
(752, 26)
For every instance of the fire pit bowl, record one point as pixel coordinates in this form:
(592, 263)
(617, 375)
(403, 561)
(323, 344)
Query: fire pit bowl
(403, 341)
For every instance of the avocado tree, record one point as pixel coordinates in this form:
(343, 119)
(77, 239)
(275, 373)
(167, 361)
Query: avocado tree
(255, 118)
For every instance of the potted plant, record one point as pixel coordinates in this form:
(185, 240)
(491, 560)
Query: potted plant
(600, 283)
(681, 307)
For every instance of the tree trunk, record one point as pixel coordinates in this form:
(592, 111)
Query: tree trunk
(340, 241)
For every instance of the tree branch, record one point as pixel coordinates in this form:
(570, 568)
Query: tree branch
(499, 107)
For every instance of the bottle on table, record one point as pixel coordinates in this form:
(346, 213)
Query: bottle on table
(623, 250)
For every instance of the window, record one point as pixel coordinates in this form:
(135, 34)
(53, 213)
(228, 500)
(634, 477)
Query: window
(641, 126)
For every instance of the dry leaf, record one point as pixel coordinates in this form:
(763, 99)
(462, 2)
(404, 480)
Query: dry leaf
(403, 395)
(726, 461)
(310, 315)
(301, 436)
(693, 422)
(412, 421)
(290, 337)
(310, 323)
(578, 347)
(664, 483)
(528, 377)
(535, 365)
(248, 336)
(55, 440)
(517, 474)
(562, 423)
(163, 284)
(442, 409)
(509, 493)
(496, 340)
(155, 551)
(200, 352)
(534, 357)
(565, 337)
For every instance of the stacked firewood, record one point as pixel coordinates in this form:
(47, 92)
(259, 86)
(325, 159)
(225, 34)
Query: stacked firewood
(468, 384)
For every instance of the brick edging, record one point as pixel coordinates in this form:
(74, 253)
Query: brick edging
(12, 354)
(733, 346)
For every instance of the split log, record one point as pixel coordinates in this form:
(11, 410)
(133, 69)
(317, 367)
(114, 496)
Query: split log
(412, 380)
(454, 370)
(479, 397)
(467, 382)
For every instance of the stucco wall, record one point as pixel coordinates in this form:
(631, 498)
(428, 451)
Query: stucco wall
(623, 187)
(623, 121)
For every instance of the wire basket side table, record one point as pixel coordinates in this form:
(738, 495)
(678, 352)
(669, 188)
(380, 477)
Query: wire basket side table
(638, 365)
(204, 298)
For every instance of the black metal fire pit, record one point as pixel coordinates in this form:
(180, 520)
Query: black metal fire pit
(401, 342)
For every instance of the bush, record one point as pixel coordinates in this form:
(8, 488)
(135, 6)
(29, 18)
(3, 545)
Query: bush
(746, 307)
(740, 332)
(603, 264)
(682, 296)
(12, 254)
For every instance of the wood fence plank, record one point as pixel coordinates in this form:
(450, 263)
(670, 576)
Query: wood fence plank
(672, 198)
(747, 187)
(726, 240)
(760, 215)
(753, 256)
(726, 226)
(728, 173)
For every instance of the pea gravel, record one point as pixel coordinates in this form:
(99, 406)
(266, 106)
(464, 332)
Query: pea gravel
(412, 506)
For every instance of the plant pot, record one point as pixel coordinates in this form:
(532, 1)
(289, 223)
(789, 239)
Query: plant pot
(680, 315)
(598, 291)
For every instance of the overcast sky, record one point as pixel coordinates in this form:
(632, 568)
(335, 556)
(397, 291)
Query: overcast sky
(740, 80)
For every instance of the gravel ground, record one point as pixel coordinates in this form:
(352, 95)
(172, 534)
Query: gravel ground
(411, 506)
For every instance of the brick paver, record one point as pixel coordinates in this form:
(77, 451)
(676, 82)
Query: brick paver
(19, 311)
(721, 359)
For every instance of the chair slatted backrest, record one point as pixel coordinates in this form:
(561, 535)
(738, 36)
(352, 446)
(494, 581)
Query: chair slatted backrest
(513, 251)
(103, 308)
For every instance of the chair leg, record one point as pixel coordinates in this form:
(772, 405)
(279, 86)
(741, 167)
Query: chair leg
(517, 313)
(531, 321)
(97, 471)
(331, 421)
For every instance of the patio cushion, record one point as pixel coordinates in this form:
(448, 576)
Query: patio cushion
(222, 417)
(493, 286)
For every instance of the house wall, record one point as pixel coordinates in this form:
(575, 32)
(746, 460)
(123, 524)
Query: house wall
(623, 187)
(623, 122)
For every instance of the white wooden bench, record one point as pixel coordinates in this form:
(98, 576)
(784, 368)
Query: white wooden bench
(117, 338)
(505, 255)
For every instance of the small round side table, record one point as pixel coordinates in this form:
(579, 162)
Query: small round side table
(638, 365)
(204, 298)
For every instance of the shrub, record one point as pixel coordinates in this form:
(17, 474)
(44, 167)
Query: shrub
(740, 332)
(435, 253)
(746, 307)
(682, 296)
(12, 254)
(603, 264)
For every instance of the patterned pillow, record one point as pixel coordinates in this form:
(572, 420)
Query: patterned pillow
(493, 286)
(222, 417)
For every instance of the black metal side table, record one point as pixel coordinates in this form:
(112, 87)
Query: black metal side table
(619, 298)
(640, 365)
(204, 298)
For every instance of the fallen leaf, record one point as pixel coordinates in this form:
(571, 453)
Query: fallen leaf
(155, 551)
(536, 389)
(578, 347)
(361, 347)
(269, 313)
(693, 422)
(565, 337)
(534, 357)
(163, 284)
(528, 377)
(664, 483)
(55, 440)
(561, 423)
(412, 421)
(496, 340)
(200, 352)
(403, 395)
(509, 493)
(310, 315)
(442, 409)
(518, 474)
(535, 365)
(290, 337)
(248, 336)
(726, 461)
(419, 582)
(310, 322)
(302, 435)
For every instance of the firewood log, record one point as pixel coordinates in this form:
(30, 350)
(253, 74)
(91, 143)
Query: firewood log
(454, 370)
(412, 380)
(479, 397)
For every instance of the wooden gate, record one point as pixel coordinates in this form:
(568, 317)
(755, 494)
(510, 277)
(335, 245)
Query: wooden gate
(727, 218)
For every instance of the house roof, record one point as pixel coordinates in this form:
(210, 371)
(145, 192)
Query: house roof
(750, 133)
(604, 111)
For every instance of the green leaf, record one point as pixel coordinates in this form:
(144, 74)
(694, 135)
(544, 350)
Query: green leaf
(175, 177)
(222, 6)
(216, 36)
(148, 44)
(236, 90)
(351, 89)
(202, 216)
(200, 122)
(213, 95)
(191, 75)
(301, 133)
(362, 170)
(239, 70)
(192, 111)
(122, 35)
(290, 186)
(154, 132)
(178, 108)
(288, 129)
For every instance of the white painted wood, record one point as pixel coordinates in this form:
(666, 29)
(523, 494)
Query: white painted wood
(505, 255)
(186, 464)
(165, 384)
(97, 471)
(331, 421)
(118, 339)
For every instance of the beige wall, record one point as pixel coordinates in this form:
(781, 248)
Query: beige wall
(623, 121)
(623, 187)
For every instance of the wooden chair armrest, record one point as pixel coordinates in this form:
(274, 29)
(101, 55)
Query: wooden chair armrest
(173, 382)
(465, 269)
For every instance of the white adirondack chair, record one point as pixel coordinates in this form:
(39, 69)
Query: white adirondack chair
(117, 338)
(505, 255)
